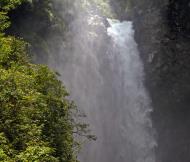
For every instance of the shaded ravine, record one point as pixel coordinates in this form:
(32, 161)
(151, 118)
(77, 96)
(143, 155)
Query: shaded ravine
(104, 74)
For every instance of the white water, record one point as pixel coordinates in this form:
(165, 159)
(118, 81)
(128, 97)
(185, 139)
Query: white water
(135, 125)
(104, 75)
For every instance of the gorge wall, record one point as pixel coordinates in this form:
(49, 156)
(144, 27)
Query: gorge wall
(163, 36)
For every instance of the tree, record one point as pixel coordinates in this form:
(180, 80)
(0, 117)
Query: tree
(36, 120)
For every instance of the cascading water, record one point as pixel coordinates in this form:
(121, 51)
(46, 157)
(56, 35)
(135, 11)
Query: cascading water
(135, 123)
(104, 74)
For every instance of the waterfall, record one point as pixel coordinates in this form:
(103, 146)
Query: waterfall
(135, 123)
(103, 72)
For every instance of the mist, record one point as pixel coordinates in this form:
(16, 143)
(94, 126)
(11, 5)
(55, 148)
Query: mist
(104, 74)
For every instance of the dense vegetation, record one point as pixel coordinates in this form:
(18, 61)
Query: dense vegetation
(36, 118)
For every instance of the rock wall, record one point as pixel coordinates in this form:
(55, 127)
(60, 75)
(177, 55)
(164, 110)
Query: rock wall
(163, 35)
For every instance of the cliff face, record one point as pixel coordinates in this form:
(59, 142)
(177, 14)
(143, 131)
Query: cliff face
(163, 35)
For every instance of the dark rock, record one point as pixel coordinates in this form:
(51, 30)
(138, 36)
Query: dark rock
(163, 36)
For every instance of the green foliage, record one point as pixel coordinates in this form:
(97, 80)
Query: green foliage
(3, 21)
(9, 4)
(36, 118)
(12, 51)
(5, 6)
(34, 113)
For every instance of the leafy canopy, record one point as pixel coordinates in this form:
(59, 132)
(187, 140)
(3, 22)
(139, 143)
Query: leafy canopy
(36, 123)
